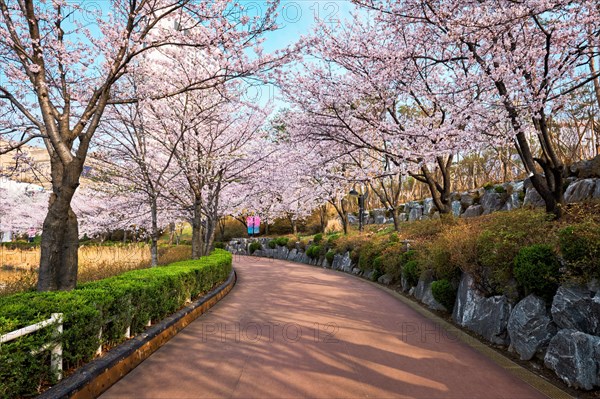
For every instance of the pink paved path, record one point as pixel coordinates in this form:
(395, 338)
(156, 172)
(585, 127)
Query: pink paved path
(289, 330)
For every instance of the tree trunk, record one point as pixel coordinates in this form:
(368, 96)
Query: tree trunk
(197, 230)
(60, 235)
(440, 193)
(396, 219)
(154, 233)
(323, 217)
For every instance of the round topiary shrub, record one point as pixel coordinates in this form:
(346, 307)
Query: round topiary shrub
(444, 293)
(317, 238)
(282, 241)
(537, 270)
(255, 246)
(411, 272)
(272, 244)
(329, 256)
(313, 251)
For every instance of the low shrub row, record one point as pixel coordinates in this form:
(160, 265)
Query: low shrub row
(279, 241)
(512, 253)
(97, 313)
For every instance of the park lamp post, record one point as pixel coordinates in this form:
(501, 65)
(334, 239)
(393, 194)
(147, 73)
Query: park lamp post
(361, 208)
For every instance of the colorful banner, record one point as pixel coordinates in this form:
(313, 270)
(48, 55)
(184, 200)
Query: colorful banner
(250, 224)
(253, 223)
(256, 225)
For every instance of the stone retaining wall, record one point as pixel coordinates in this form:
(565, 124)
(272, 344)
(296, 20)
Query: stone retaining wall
(564, 334)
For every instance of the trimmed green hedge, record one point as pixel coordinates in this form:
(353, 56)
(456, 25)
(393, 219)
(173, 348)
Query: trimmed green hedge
(112, 304)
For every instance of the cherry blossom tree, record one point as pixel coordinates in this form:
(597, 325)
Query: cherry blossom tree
(59, 72)
(131, 161)
(375, 89)
(529, 54)
(22, 206)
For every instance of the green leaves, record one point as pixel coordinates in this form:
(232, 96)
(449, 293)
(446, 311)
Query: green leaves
(111, 305)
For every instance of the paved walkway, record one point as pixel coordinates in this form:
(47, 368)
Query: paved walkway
(289, 330)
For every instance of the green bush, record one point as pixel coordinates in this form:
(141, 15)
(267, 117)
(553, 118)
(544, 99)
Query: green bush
(112, 304)
(537, 270)
(219, 245)
(411, 272)
(313, 251)
(499, 189)
(282, 241)
(580, 248)
(392, 259)
(367, 253)
(272, 244)
(291, 244)
(444, 293)
(329, 256)
(497, 246)
(254, 246)
(317, 238)
(331, 238)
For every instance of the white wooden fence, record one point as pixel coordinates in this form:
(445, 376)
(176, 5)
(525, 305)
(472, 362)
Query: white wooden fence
(55, 347)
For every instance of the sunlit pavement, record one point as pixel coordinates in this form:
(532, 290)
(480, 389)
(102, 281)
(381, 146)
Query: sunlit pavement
(289, 330)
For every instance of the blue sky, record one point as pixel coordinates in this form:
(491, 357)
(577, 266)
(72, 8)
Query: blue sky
(296, 18)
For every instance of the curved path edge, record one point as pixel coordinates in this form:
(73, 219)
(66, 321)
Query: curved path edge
(540, 384)
(92, 379)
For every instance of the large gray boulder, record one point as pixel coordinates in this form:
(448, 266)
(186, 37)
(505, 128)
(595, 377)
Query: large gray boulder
(472, 211)
(352, 219)
(487, 317)
(456, 208)
(517, 186)
(386, 279)
(466, 200)
(428, 207)
(491, 201)
(529, 327)
(404, 283)
(490, 319)
(574, 356)
(415, 213)
(465, 296)
(342, 262)
(292, 254)
(580, 190)
(586, 169)
(282, 252)
(428, 299)
(533, 198)
(378, 216)
(422, 285)
(238, 246)
(576, 308)
(346, 263)
(512, 202)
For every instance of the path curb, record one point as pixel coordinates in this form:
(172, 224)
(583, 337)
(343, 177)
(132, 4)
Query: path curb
(100, 374)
